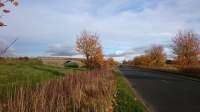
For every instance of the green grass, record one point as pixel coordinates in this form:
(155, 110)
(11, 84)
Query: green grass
(26, 72)
(32, 72)
(125, 98)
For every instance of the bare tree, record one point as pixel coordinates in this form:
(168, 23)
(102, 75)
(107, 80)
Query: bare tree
(88, 44)
(4, 50)
(186, 48)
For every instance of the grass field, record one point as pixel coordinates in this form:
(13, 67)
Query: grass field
(32, 71)
(26, 72)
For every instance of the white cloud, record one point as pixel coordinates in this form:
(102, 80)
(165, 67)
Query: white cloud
(121, 53)
(122, 25)
(61, 50)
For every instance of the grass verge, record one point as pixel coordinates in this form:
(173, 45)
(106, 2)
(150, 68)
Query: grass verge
(31, 72)
(126, 100)
(91, 91)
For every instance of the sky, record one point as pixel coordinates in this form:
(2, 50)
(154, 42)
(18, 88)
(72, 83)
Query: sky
(126, 27)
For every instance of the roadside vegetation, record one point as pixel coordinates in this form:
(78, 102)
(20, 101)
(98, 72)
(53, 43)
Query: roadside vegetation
(126, 100)
(186, 54)
(154, 56)
(29, 85)
(76, 92)
(88, 44)
(23, 72)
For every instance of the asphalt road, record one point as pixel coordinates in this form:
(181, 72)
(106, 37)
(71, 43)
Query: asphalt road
(165, 92)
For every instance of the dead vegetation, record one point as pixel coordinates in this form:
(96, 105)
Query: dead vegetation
(84, 92)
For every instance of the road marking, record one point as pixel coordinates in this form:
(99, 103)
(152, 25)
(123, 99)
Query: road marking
(164, 81)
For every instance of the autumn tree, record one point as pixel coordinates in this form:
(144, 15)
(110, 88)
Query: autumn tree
(4, 10)
(142, 60)
(89, 45)
(110, 63)
(98, 59)
(156, 55)
(186, 48)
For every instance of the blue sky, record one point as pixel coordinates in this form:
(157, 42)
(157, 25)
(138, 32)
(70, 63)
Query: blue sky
(126, 27)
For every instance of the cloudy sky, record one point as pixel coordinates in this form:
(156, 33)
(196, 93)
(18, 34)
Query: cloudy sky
(126, 27)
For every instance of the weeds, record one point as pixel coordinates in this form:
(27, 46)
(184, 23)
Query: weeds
(79, 92)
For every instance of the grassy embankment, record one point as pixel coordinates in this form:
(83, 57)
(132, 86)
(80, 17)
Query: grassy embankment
(29, 85)
(30, 72)
(126, 99)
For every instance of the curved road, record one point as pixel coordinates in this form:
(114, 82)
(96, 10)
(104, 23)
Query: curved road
(165, 92)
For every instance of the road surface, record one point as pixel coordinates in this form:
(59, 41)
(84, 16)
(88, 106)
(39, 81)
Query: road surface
(164, 92)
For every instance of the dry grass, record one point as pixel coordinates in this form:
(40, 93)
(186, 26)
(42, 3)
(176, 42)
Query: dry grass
(191, 69)
(54, 62)
(84, 92)
(59, 62)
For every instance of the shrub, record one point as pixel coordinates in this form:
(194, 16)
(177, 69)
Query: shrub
(71, 64)
(142, 60)
(2, 60)
(24, 58)
(191, 69)
(156, 55)
(109, 63)
(84, 92)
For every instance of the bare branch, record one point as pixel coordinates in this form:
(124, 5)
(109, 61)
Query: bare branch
(6, 49)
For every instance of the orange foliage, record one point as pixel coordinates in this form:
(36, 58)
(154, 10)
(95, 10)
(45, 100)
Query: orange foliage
(88, 44)
(109, 63)
(143, 60)
(186, 48)
(155, 56)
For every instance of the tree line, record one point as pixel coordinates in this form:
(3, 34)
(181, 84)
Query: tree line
(185, 47)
